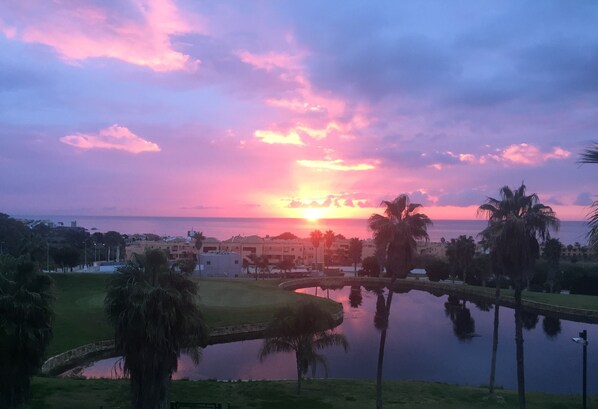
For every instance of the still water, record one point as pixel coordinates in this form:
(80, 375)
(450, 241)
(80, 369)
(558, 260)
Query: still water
(224, 227)
(423, 343)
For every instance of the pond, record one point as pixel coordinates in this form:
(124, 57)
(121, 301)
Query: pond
(429, 338)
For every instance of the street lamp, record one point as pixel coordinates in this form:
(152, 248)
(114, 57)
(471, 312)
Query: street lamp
(583, 340)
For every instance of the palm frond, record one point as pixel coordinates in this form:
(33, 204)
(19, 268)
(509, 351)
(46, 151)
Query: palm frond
(590, 155)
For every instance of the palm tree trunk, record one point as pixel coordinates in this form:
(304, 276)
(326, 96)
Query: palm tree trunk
(494, 339)
(381, 349)
(299, 374)
(519, 345)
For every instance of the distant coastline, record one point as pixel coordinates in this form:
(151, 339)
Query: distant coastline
(226, 227)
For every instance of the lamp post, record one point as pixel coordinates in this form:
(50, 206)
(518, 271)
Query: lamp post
(583, 340)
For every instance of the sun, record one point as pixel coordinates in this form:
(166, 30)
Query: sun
(313, 214)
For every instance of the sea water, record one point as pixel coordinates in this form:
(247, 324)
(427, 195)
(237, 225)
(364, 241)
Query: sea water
(223, 228)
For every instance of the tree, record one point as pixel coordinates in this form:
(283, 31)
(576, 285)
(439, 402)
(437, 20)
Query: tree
(285, 266)
(304, 330)
(263, 264)
(199, 238)
(552, 253)
(515, 224)
(316, 237)
(395, 234)
(113, 239)
(437, 270)
(285, 236)
(590, 155)
(66, 256)
(187, 264)
(329, 238)
(460, 253)
(155, 314)
(370, 267)
(355, 251)
(26, 318)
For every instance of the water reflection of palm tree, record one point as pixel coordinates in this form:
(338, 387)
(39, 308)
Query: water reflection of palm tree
(529, 320)
(395, 234)
(355, 297)
(304, 330)
(460, 316)
(551, 326)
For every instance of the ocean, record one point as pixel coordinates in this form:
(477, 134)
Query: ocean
(221, 228)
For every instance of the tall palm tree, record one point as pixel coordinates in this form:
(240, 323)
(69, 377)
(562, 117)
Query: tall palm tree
(329, 238)
(395, 235)
(590, 155)
(316, 237)
(460, 252)
(155, 314)
(552, 253)
(26, 318)
(497, 282)
(354, 252)
(516, 222)
(304, 330)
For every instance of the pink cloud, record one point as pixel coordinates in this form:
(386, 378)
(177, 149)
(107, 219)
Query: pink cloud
(113, 137)
(79, 31)
(8, 31)
(334, 165)
(519, 154)
(269, 61)
(321, 112)
(525, 154)
(273, 137)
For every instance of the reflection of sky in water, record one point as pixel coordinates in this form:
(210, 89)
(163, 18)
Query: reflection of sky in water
(420, 345)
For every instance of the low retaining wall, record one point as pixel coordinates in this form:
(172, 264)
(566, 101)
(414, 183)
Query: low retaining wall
(77, 356)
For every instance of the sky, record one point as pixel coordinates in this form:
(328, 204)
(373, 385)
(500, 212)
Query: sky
(294, 108)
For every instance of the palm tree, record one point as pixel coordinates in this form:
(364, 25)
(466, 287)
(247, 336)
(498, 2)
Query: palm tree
(395, 235)
(199, 239)
(328, 242)
(355, 251)
(590, 155)
(552, 253)
(460, 253)
(155, 314)
(316, 237)
(26, 318)
(515, 223)
(304, 330)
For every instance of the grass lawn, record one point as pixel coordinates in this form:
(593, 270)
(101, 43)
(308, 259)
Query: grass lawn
(79, 309)
(584, 302)
(79, 306)
(231, 302)
(325, 394)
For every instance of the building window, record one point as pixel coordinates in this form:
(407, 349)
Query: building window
(208, 262)
(236, 261)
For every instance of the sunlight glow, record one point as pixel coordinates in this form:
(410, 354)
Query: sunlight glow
(313, 214)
